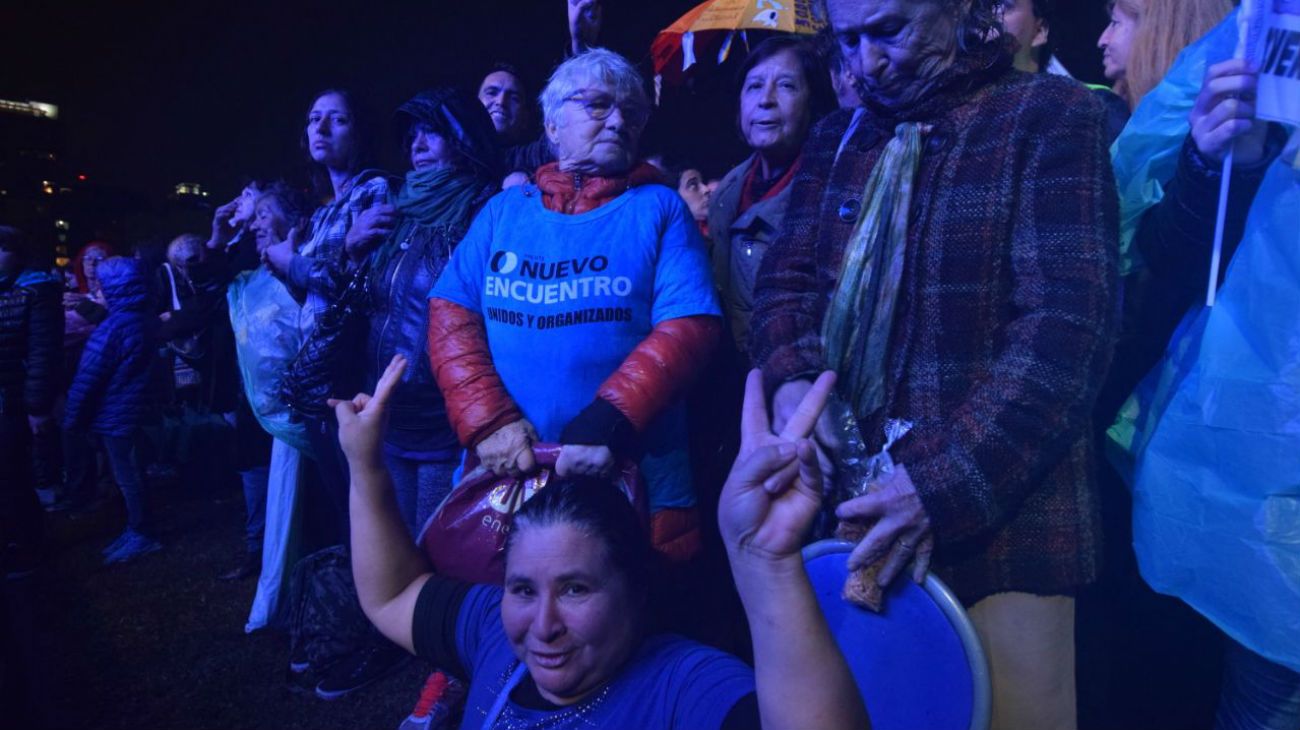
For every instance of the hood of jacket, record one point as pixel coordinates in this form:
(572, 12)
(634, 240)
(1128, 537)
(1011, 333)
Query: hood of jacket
(458, 118)
(124, 282)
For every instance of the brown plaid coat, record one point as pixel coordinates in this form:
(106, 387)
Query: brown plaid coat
(1006, 316)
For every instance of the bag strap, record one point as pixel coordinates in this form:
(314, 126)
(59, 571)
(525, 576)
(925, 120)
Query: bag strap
(546, 455)
(176, 300)
(500, 705)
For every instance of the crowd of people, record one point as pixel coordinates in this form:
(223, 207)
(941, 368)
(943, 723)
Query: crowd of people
(922, 253)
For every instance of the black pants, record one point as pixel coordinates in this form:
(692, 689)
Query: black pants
(22, 520)
(332, 472)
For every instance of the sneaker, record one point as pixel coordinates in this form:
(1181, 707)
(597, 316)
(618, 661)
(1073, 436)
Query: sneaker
(440, 697)
(62, 504)
(299, 662)
(18, 561)
(249, 567)
(135, 546)
(366, 667)
(117, 543)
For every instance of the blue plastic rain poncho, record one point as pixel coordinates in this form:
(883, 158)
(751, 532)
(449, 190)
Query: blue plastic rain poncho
(1211, 439)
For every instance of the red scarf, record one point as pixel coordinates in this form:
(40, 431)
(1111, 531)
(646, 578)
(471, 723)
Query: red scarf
(747, 197)
(565, 192)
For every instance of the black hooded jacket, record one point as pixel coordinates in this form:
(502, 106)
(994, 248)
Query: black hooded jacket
(400, 283)
(31, 343)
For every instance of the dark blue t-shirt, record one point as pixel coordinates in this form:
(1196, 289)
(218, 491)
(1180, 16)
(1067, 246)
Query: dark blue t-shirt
(669, 683)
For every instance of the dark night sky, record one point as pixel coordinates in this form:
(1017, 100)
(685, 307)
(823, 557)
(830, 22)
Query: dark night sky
(155, 92)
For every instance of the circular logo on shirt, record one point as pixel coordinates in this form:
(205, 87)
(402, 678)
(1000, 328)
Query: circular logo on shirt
(504, 262)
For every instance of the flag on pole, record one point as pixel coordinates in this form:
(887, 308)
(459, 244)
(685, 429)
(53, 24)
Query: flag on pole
(1273, 46)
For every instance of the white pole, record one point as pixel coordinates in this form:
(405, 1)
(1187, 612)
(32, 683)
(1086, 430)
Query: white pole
(1244, 20)
(1216, 256)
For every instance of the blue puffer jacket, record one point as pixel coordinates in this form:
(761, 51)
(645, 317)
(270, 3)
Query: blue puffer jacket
(111, 392)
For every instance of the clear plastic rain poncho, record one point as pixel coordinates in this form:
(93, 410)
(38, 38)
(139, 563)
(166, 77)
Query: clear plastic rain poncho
(1210, 440)
(268, 325)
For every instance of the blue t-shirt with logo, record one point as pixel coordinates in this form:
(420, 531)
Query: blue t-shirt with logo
(566, 298)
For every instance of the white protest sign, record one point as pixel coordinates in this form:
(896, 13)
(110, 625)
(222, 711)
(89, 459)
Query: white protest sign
(1273, 47)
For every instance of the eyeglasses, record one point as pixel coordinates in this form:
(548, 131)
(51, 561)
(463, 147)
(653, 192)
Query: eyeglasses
(600, 106)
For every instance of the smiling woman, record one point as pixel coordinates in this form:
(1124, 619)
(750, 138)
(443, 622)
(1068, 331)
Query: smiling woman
(564, 644)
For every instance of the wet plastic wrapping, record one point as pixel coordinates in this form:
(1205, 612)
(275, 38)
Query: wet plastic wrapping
(1210, 441)
(280, 544)
(269, 325)
(1145, 155)
(859, 472)
(465, 537)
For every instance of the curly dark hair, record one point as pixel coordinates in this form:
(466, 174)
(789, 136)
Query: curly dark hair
(979, 32)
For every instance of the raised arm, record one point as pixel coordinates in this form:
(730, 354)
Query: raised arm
(770, 499)
(388, 569)
(1176, 235)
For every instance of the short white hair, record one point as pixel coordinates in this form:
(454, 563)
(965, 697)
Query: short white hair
(596, 64)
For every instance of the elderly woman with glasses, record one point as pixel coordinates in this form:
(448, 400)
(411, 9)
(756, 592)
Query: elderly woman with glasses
(576, 308)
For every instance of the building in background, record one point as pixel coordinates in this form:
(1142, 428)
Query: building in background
(62, 208)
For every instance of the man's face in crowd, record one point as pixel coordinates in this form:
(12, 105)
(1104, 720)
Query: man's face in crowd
(1029, 31)
(893, 46)
(502, 96)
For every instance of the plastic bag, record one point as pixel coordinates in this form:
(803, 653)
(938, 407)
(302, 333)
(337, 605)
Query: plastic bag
(465, 538)
(269, 327)
(857, 473)
(1145, 155)
(279, 541)
(1212, 439)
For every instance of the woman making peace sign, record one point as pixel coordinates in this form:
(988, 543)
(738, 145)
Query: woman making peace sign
(562, 644)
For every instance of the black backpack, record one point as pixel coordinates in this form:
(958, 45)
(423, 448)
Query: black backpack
(325, 619)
